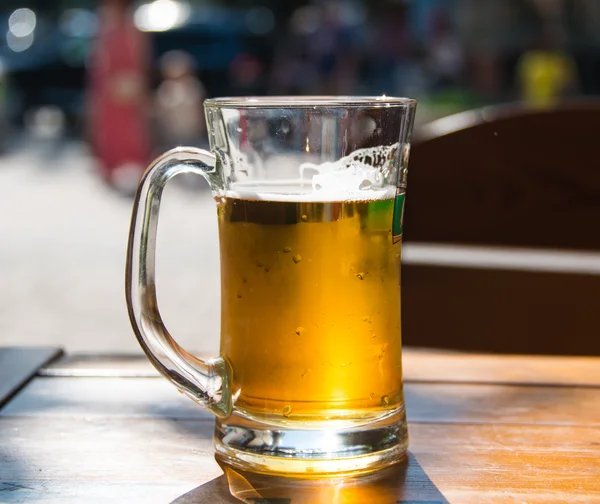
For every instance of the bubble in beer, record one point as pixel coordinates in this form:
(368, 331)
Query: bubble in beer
(239, 296)
(287, 410)
(304, 218)
(259, 264)
(360, 276)
(385, 401)
(338, 385)
(297, 258)
(267, 269)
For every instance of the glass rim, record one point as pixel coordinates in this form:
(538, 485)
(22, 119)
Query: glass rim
(245, 102)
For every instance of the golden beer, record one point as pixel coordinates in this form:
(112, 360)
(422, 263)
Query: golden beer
(311, 308)
(310, 197)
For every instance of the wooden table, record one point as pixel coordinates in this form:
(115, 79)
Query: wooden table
(483, 429)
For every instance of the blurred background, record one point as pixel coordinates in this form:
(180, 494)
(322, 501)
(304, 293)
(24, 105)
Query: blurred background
(90, 91)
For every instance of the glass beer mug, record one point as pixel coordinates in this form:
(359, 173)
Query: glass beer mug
(309, 196)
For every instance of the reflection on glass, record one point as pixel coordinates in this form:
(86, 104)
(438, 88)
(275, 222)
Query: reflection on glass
(382, 487)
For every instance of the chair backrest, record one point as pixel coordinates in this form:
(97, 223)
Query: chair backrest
(505, 177)
(508, 176)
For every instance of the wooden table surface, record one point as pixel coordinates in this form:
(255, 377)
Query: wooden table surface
(483, 429)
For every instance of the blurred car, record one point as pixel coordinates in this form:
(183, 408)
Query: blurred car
(47, 65)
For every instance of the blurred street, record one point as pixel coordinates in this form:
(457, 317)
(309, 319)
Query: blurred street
(128, 78)
(62, 255)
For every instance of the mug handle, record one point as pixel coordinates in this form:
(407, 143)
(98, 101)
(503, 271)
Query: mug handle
(206, 382)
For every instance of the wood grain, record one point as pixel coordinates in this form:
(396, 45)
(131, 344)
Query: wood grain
(449, 403)
(483, 429)
(103, 398)
(425, 402)
(423, 365)
(65, 460)
(156, 460)
(106, 365)
(18, 365)
(495, 463)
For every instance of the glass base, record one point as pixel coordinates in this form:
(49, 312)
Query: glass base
(302, 451)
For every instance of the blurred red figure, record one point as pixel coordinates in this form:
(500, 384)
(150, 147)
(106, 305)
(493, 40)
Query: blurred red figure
(118, 126)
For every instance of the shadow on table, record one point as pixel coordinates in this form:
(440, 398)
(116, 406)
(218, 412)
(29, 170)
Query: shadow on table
(405, 483)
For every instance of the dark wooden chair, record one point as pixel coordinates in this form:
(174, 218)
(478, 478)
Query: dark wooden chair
(521, 189)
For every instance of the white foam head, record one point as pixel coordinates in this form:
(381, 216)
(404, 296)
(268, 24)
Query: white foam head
(360, 176)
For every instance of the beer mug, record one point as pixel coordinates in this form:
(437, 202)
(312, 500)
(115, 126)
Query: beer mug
(309, 197)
